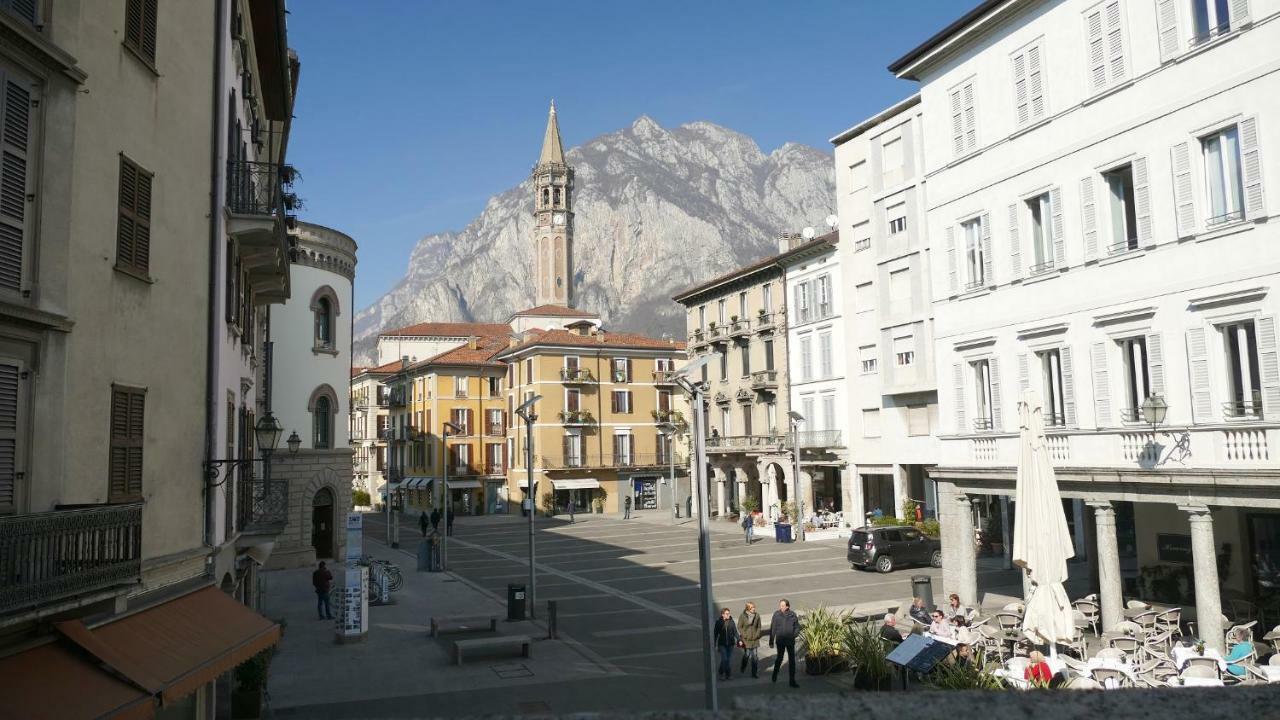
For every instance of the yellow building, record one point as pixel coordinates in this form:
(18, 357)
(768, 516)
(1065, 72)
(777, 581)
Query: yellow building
(596, 440)
(452, 417)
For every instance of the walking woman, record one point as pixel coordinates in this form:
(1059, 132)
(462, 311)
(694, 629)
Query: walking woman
(749, 631)
(726, 639)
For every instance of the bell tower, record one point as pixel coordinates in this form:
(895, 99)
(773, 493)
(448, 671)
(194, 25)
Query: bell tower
(553, 220)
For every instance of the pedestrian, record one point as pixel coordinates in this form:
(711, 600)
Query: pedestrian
(626, 508)
(448, 521)
(726, 639)
(748, 525)
(749, 632)
(435, 519)
(571, 508)
(688, 505)
(422, 523)
(322, 580)
(784, 628)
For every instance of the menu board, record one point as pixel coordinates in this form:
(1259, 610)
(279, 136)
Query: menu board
(646, 494)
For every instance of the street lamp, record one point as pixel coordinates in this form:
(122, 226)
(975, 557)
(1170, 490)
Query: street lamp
(294, 442)
(1154, 408)
(698, 476)
(527, 413)
(669, 430)
(796, 419)
(444, 544)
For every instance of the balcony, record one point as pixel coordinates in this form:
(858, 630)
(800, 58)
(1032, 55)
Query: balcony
(1243, 409)
(263, 506)
(576, 376)
(740, 443)
(664, 377)
(717, 334)
(495, 469)
(697, 338)
(814, 439)
(610, 460)
(495, 430)
(764, 380)
(576, 418)
(399, 398)
(739, 329)
(254, 188)
(621, 376)
(768, 322)
(461, 393)
(52, 556)
(668, 416)
(463, 470)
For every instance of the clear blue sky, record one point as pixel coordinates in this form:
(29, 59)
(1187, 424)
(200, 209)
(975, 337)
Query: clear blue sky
(411, 114)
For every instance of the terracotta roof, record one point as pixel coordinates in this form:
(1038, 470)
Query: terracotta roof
(485, 353)
(391, 367)
(627, 341)
(831, 237)
(450, 329)
(554, 311)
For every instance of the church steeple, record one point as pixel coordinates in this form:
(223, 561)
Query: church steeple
(553, 220)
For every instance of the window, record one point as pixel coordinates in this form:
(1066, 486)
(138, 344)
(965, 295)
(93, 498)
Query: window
(964, 119)
(806, 409)
(1028, 85)
(829, 411)
(746, 419)
(897, 219)
(1222, 176)
(825, 368)
(664, 365)
(664, 401)
(702, 317)
(528, 370)
(900, 288)
(904, 351)
(862, 297)
(572, 400)
(133, 228)
(858, 176)
(867, 359)
(621, 370)
(459, 386)
(742, 305)
(494, 385)
(494, 424)
(621, 401)
(140, 28)
(806, 358)
(1104, 41)
(917, 420)
(984, 418)
(1041, 214)
(724, 366)
(1124, 215)
(461, 418)
(891, 156)
(1053, 390)
(14, 178)
(321, 423)
(768, 355)
(974, 254)
(1209, 19)
(802, 302)
(460, 458)
(125, 463)
(1244, 385)
(771, 416)
(573, 450)
(570, 362)
(871, 423)
(705, 372)
(1137, 378)
(324, 323)
(25, 9)
(721, 314)
(824, 296)
(745, 351)
(493, 461)
(766, 297)
(724, 422)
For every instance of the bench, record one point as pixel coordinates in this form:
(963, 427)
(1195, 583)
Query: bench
(486, 643)
(475, 623)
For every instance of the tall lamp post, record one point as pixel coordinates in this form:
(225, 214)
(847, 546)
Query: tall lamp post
(444, 442)
(796, 419)
(669, 430)
(698, 477)
(527, 413)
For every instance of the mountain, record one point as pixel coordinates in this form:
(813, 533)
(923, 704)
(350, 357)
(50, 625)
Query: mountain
(656, 210)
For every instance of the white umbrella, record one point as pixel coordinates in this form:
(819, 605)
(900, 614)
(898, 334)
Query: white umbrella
(1041, 539)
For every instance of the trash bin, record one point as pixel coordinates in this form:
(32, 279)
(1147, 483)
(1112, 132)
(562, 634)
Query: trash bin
(782, 532)
(515, 601)
(424, 554)
(435, 561)
(922, 587)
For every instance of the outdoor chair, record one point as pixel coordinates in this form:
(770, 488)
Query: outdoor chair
(1008, 621)
(1082, 683)
(1160, 638)
(1208, 672)
(1074, 665)
(1130, 628)
(1152, 652)
(1241, 633)
(1275, 660)
(1150, 682)
(979, 622)
(1127, 645)
(1137, 604)
(1273, 637)
(1077, 644)
(1014, 607)
(1170, 620)
(1146, 621)
(1109, 677)
(1091, 612)
(1110, 654)
(1202, 663)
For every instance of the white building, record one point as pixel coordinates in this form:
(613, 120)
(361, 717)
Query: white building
(1096, 182)
(815, 352)
(310, 369)
(418, 342)
(370, 425)
(891, 399)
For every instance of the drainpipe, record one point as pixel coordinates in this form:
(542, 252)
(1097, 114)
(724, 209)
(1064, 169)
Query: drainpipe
(217, 154)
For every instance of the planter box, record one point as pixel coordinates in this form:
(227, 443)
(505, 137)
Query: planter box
(825, 665)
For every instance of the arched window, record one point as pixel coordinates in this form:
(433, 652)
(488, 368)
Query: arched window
(324, 307)
(323, 407)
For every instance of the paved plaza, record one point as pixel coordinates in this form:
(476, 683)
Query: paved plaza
(627, 597)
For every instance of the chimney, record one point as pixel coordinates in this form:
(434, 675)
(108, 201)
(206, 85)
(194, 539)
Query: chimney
(404, 361)
(472, 342)
(784, 241)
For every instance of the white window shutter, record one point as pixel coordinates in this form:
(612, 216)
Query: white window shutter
(958, 369)
(1142, 202)
(957, 122)
(1068, 385)
(1015, 248)
(1198, 363)
(1251, 168)
(1059, 233)
(1035, 83)
(1268, 366)
(1116, 70)
(1167, 29)
(1101, 387)
(1155, 363)
(988, 270)
(1024, 379)
(13, 181)
(1239, 14)
(1021, 93)
(953, 283)
(993, 369)
(1095, 49)
(970, 119)
(1089, 219)
(1183, 192)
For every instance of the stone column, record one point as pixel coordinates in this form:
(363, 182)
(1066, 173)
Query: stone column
(855, 507)
(740, 474)
(806, 483)
(1006, 538)
(1109, 595)
(964, 555)
(1077, 514)
(721, 483)
(901, 491)
(1204, 560)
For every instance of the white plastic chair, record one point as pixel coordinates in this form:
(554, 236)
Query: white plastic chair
(1170, 620)
(1110, 654)
(1200, 671)
(1091, 612)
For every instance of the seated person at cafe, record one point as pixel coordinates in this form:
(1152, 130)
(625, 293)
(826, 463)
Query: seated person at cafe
(918, 611)
(889, 630)
(940, 627)
(964, 654)
(1038, 671)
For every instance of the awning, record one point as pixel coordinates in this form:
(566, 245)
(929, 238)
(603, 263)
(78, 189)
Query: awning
(166, 652)
(414, 483)
(575, 484)
(463, 484)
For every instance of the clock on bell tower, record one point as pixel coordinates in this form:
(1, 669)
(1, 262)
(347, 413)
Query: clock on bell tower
(553, 220)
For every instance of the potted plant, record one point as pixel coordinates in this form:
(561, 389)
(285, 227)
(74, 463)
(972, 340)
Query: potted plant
(822, 641)
(866, 654)
(761, 313)
(597, 502)
(948, 675)
(250, 683)
(548, 504)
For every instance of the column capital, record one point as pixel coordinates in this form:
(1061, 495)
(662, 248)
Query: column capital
(1198, 513)
(1101, 506)
(964, 499)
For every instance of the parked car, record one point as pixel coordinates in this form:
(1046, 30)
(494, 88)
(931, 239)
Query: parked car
(884, 548)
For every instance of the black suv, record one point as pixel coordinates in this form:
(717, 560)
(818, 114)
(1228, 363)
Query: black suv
(885, 547)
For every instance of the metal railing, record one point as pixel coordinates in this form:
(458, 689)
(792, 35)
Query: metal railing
(770, 321)
(1239, 409)
(47, 556)
(398, 398)
(1224, 218)
(1054, 419)
(610, 460)
(743, 442)
(1131, 415)
(1209, 34)
(1123, 246)
(253, 188)
(463, 470)
(1040, 268)
(664, 377)
(576, 375)
(495, 469)
(263, 505)
(817, 438)
(576, 417)
(495, 430)
(974, 285)
(717, 333)
(983, 424)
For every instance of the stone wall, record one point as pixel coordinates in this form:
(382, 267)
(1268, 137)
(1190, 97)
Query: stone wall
(308, 472)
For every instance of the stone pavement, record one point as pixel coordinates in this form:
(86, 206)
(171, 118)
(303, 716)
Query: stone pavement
(399, 662)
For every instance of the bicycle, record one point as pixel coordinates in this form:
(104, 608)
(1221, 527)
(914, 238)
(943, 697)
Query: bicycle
(395, 580)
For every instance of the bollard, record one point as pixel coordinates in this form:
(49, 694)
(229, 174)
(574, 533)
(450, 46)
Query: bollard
(551, 619)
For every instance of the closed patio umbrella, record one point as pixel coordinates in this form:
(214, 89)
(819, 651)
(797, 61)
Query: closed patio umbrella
(1041, 540)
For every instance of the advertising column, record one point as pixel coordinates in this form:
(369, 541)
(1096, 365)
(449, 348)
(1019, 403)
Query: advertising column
(353, 605)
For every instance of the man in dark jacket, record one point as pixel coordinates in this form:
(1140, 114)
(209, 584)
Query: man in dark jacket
(726, 639)
(422, 523)
(784, 628)
(435, 519)
(626, 508)
(322, 581)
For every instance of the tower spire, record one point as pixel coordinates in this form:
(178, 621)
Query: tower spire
(552, 150)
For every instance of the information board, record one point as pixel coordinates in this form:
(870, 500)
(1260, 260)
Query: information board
(355, 537)
(353, 602)
(919, 653)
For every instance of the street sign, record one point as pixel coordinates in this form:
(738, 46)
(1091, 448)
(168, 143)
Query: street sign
(355, 537)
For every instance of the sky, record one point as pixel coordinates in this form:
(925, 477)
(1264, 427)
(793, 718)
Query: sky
(411, 114)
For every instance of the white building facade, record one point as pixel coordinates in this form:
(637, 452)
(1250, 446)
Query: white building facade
(891, 402)
(1096, 184)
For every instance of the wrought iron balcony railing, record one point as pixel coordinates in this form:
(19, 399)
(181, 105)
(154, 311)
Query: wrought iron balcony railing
(264, 505)
(253, 188)
(576, 375)
(817, 438)
(495, 469)
(577, 417)
(744, 442)
(1242, 409)
(664, 377)
(982, 424)
(49, 556)
(610, 460)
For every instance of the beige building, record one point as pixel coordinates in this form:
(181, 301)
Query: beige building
(113, 323)
(370, 426)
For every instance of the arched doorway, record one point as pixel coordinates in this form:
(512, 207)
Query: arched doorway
(778, 478)
(322, 523)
